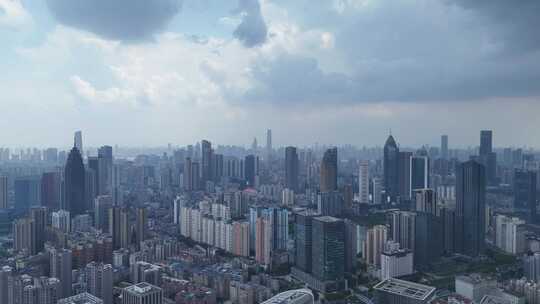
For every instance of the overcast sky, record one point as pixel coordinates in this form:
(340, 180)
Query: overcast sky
(152, 72)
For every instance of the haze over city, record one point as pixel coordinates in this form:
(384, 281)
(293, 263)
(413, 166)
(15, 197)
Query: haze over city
(269, 152)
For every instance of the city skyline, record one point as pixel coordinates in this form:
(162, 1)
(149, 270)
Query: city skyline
(207, 69)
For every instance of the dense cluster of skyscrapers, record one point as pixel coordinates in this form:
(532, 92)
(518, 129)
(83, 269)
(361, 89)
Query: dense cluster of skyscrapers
(216, 223)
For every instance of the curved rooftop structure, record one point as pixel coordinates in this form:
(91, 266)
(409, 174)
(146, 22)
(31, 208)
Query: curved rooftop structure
(298, 296)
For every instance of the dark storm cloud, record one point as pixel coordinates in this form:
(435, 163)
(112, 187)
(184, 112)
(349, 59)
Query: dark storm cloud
(252, 30)
(398, 51)
(514, 23)
(125, 20)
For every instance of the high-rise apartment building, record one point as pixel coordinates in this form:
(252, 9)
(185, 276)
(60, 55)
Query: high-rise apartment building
(99, 281)
(363, 182)
(61, 267)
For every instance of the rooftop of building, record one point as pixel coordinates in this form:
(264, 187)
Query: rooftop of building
(405, 288)
(328, 219)
(142, 288)
(82, 298)
(289, 296)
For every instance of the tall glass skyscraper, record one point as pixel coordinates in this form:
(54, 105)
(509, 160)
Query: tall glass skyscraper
(328, 248)
(391, 168)
(74, 175)
(291, 168)
(470, 208)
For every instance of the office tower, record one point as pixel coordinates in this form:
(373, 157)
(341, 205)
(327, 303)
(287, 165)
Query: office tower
(376, 238)
(27, 192)
(403, 228)
(102, 204)
(470, 208)
(125, 228)
(510, 234)
(525, 192)
(263, 240)
(486, 142)
(142, 293)
(78, 141)
(196, 175)
(61, 220)
(90, 188)
(396, 262)
(351, 245)
(395, 291)
(419, 173)
(40, 217)
(217, 167)
(206, 169)
(298, 296)
(187, 177)
(99, 281)
(303, 240)
(4, 192)
(425, 201)
(448, 220)
(376, 186)
(268, 145)
(487, 157)
(5, 276)
(291, 168)
(84, 297)
(61, 269)
(51, 187)
(428, 239)
(329, 170)
(74, 179)
(94, 164)
(444, 147)
(404, 171)
(115, 226)
(24, 236)
(363, 182)
(330, 203)
(141, 225)
(391, 169)
(328, 251)
(251, 169)
(105, 174)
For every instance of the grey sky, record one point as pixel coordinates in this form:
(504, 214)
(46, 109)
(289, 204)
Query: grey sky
(336, 71)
